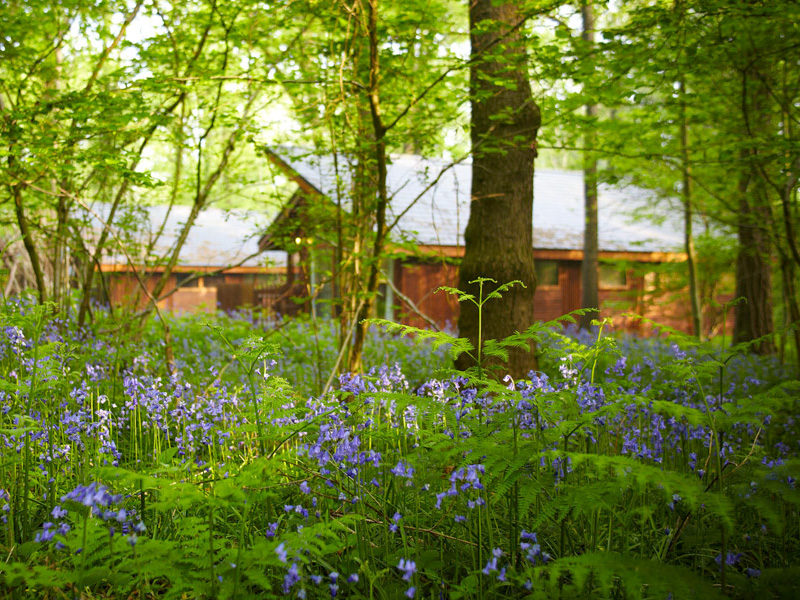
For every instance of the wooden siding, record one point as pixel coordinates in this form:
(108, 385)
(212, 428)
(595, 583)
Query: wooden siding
(419, 280)
(569, 280)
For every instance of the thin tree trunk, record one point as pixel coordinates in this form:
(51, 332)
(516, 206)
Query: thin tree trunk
(60, 254)
(28, 241)
(373, 265)
(199, 204)
(688, 238)
(590, 296)
(89, 267)
(499, 234)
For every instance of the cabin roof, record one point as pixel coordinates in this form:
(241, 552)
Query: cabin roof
(219, 238)
(432, 198)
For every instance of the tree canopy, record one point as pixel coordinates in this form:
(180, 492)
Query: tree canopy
(109, 105)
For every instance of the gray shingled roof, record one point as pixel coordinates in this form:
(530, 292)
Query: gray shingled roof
(440, 215)
(218, 238)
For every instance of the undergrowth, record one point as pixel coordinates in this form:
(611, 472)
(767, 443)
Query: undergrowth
(627, 468)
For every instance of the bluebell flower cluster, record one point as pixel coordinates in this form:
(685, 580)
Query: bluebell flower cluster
(358, 449)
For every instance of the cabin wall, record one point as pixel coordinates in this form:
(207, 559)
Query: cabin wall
(418, 282)
(547, 303)
(225, 291)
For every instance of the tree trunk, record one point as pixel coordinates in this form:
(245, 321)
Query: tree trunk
(373, 265)
(28, 241)
(499, 235)
(590, 296)
(753, 315)
(688, 237)
(61, 252)
(792, 308)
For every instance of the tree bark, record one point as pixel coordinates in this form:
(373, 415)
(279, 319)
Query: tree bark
(753, 315)
(590, 296)
(373, 265)
(688, 216)
(28, 241)
(499, 234)
(791, 308)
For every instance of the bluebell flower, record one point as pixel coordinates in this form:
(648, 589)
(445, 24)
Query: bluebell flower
(395, 521)
(280, 550)
(490, 566)
(47, 533)
(291, 578)
(403, 469)
(408, 567)
(730, 559)
(273, 527)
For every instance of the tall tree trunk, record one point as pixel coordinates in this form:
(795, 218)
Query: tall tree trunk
(590, 296)
(753, 315)
(373, 264)
(792, 308)
(499, 235)
(60, 257)
(688, 237)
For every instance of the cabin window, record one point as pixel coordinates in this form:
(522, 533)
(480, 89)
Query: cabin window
(612, 276)
(213, 280)
(546, 273)
(261, 280)
(182, 280)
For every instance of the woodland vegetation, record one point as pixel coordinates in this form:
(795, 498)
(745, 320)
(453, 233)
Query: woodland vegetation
(148, 455)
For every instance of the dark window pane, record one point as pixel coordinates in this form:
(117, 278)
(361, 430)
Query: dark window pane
(612, 276)
(546, 272)
(213, 280)
(181, 280)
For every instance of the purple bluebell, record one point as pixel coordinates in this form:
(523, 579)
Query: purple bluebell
(408, 567)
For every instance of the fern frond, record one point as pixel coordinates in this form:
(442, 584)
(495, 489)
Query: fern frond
(640, 578)
(461, 296)
(501, 289)
(458, 346)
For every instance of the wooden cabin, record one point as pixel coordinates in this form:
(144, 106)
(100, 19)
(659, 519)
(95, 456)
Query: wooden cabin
(219, 266)
(430, 204)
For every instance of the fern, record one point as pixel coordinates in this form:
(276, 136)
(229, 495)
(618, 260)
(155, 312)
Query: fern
(607, 573)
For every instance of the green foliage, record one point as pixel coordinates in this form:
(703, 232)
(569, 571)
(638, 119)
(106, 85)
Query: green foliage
(234, 484)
